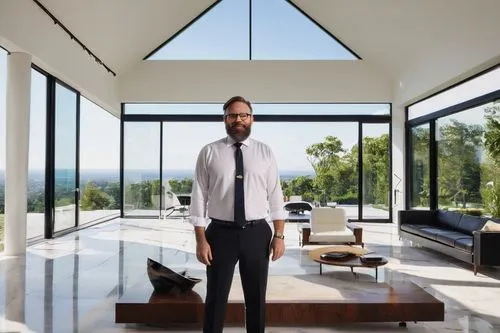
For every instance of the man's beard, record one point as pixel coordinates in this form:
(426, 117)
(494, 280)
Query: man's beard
(238, 134)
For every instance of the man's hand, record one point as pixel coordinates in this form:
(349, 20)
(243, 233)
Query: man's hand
(277, 248)
(203, 252)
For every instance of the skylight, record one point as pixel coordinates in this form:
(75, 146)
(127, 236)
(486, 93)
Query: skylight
(253, 30)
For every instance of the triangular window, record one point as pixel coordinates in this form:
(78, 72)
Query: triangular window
(253, 30)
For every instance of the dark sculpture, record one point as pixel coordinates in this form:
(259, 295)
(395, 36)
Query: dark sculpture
(165, 280)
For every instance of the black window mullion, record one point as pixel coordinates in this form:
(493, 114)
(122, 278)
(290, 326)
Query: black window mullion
(360, 171)
(49, 157)
(161, 169)
(122, 164)
(433, 167)
(77, 162)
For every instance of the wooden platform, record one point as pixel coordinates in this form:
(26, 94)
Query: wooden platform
(302, 300)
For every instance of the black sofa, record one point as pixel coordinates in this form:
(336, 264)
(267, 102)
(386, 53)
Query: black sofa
(452, 233)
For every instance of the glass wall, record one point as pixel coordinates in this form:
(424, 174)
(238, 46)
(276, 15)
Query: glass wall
(141, 170)
(65, 181)
(182, 141)
(37, 151)
(318, 160)
(99, 163)
(376, 180)
(455, 167)
(481, 85)
(462, 159)
(3, 88)
(419, 196)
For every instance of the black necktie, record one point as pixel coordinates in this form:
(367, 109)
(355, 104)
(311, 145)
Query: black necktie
(239, 192)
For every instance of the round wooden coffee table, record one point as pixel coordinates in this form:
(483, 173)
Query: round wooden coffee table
(351, 262)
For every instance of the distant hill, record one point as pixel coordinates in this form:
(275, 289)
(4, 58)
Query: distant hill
(38, 176)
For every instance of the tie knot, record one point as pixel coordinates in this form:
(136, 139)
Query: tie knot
(238, 144)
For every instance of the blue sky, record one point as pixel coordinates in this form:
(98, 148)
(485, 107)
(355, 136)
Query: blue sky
(279, 31)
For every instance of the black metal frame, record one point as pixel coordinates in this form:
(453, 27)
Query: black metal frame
(431, 119)
(162, 118)
(49, 217)
(77, 166)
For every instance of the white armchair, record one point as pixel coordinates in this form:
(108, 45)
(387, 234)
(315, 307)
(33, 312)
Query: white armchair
(329, 226)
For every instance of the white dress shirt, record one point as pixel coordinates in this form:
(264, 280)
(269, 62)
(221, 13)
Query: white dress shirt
(213, 186)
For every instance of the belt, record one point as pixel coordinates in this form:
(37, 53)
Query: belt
(231, 224)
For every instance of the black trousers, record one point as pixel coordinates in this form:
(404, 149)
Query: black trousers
(249, 246)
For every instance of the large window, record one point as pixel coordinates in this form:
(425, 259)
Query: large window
(37, 151)
(454, 155)
(99, 163)
(319, 161)
(141, 168)
(255, 33)
(462, 162)
(376, 181)
(65, 167)
(419, 196)
(478, 86)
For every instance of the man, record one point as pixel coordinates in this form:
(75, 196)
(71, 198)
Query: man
(237, 187)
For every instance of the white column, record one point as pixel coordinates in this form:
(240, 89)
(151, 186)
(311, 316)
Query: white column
(398, 161)
(17, 145)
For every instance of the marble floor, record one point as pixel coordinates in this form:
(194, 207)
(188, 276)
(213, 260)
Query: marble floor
(71, 284)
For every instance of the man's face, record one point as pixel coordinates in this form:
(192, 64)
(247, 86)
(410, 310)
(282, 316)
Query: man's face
(237, 128)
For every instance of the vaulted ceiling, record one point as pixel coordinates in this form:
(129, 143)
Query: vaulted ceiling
(394, 34)
(412, 47)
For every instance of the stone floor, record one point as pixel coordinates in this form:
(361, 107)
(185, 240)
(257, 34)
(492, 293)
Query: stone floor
(71, 284)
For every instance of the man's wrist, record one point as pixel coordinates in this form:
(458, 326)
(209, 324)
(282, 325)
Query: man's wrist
(278, 234)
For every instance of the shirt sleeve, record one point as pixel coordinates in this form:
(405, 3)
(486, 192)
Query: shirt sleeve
(199, 193)
(275, 193)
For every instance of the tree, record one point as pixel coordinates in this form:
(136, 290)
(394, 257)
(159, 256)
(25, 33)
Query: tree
(183, 186)
(491, 189)
(492, 134)
(94, 199)
(325, 155)
(420, 139)
(336, 169)
(303, 186)
(458, 162)
(375, 169)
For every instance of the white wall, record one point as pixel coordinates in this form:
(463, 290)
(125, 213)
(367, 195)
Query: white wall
(260, 81)
(26, 28)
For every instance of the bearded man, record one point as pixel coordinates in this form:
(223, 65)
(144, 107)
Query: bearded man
(236, 191)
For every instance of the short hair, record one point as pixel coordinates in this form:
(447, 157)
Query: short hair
(235, 99)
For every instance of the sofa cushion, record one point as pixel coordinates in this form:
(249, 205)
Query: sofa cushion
(464, 244)
(345, 236)
(491, 225)
(469, 223)
(424, 230)
(448, 219)
(450, 237)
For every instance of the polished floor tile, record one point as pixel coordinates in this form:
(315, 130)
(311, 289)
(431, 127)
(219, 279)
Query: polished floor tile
(71, 284)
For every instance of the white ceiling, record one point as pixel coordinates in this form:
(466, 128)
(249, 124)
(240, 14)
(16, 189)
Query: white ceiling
(391, 33)
(122, 32)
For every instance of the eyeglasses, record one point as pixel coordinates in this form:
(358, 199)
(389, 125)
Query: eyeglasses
(234, 116)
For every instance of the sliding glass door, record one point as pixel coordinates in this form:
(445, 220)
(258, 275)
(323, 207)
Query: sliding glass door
(65, 159)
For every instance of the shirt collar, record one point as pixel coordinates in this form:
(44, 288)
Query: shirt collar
(230, 141)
